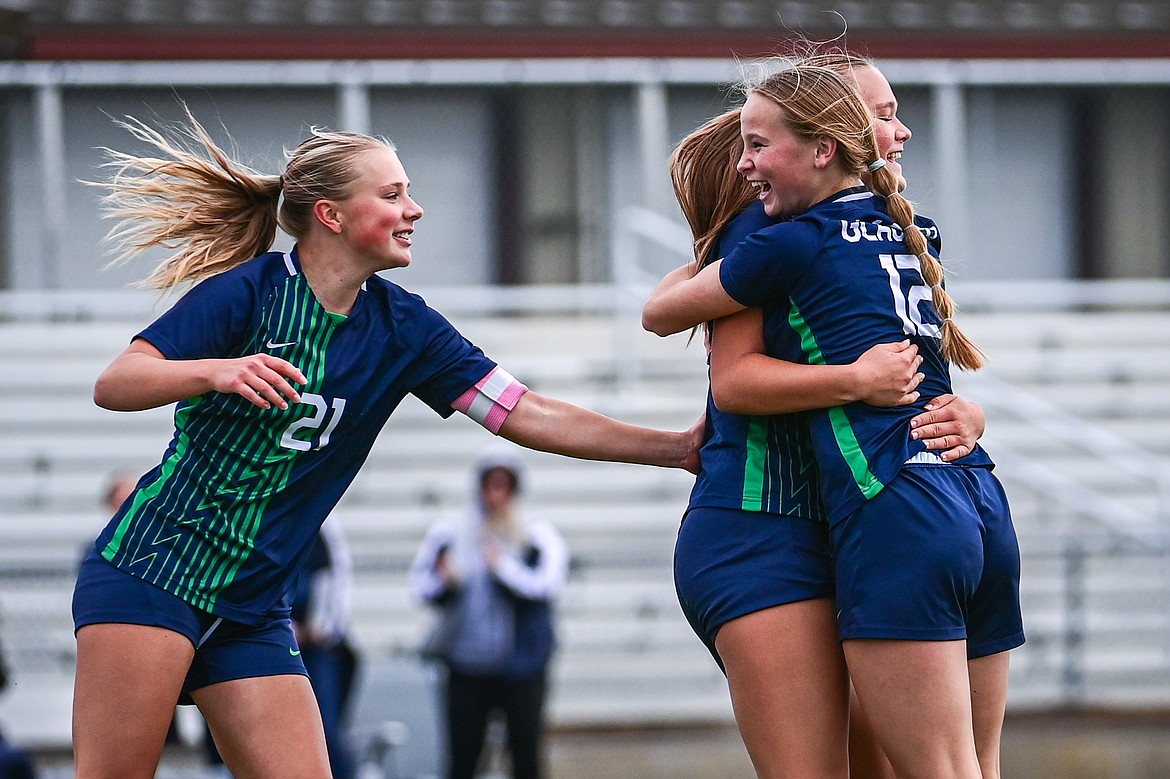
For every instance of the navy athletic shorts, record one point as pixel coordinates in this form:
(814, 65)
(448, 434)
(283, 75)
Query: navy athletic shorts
(224, 650)
(932, 557)
(729, 563)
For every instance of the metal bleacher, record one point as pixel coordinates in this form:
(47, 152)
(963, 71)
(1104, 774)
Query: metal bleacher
(1077, 394)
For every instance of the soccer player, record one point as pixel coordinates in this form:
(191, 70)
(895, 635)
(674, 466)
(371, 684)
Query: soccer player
(828, 297)
(284, 367)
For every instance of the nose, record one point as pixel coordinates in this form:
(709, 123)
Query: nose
(413, 210)
(902, 132)
(744, 164)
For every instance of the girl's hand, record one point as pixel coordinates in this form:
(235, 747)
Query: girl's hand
(949, 426)
(887, 374)
(262, 379)
(694, 439)
(142, 377)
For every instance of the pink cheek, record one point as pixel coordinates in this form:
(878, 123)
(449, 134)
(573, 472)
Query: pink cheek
(370, 231)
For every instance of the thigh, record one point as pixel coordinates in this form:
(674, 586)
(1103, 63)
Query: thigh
(909, 560)
(989, 690)
(127, 683)
(266, 726)
(917, 697)
(866, 758)
(730, 563)
(789, 689)
(135, 644)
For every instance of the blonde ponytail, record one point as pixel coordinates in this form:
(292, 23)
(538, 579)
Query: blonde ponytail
(822, 100)
(214, 211)
(957, 348)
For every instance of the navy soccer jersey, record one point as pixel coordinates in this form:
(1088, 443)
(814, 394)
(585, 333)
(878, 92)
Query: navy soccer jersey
(755, 463)
(835, 281)
(241, 491)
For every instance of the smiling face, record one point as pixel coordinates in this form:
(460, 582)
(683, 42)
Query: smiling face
(892, 134)
(378, 216)
(775, 160)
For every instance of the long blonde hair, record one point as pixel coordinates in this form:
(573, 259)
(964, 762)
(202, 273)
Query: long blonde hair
(213, 211)
(816, 101)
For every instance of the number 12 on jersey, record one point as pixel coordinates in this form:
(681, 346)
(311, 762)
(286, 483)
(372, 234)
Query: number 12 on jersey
(908, 298)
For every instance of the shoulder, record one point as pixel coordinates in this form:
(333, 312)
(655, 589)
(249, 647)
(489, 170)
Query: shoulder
(408, 311)
(929, 228)
(256, 272)
(387, 291)
(440, 533)
(746, 222)
(795, 236)
(400, 299)
(544, 533)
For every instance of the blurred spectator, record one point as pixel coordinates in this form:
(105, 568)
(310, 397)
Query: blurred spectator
(119, 487)
(493, 577)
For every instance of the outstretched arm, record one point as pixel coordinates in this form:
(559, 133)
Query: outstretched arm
(141, 377)
(550, 425)
(681, 301)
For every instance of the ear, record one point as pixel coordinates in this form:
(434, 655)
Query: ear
(825, 151)
(325, 212)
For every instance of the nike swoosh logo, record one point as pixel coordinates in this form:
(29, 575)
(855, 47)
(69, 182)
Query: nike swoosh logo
(273, 345)
(294, 652)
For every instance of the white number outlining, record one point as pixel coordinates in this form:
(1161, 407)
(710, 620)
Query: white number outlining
(906, 302)
(313, 423)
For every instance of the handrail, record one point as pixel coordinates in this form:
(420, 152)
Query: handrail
(1091, 505)
(1076, 432)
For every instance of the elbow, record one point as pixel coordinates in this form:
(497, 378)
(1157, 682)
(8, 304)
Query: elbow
(104, 396)
(730, 399)
(653, 321)
(108, 394)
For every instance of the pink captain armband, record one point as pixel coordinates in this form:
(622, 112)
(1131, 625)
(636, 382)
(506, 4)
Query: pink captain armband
(491, 399)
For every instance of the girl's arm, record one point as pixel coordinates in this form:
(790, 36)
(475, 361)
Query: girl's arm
(550, 425)
(431, 577)
(141, 377)
(681, 301)
(745, 380)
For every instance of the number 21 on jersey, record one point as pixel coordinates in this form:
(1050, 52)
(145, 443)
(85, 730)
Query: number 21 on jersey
(908, 298)
(312, 424)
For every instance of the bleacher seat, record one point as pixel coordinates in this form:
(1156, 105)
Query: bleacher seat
(627, 655)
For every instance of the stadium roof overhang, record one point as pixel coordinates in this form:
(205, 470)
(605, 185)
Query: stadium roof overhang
(445, 29)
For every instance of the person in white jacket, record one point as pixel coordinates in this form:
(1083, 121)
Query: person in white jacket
(493, 576)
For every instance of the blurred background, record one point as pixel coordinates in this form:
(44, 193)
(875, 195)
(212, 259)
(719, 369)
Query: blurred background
(536, 134)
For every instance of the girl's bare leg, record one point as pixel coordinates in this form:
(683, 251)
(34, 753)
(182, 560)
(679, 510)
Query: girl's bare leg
(128, 681)
(789, 689)
(866, 758)
(989, 689)
(266, 727)
(918, 700)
